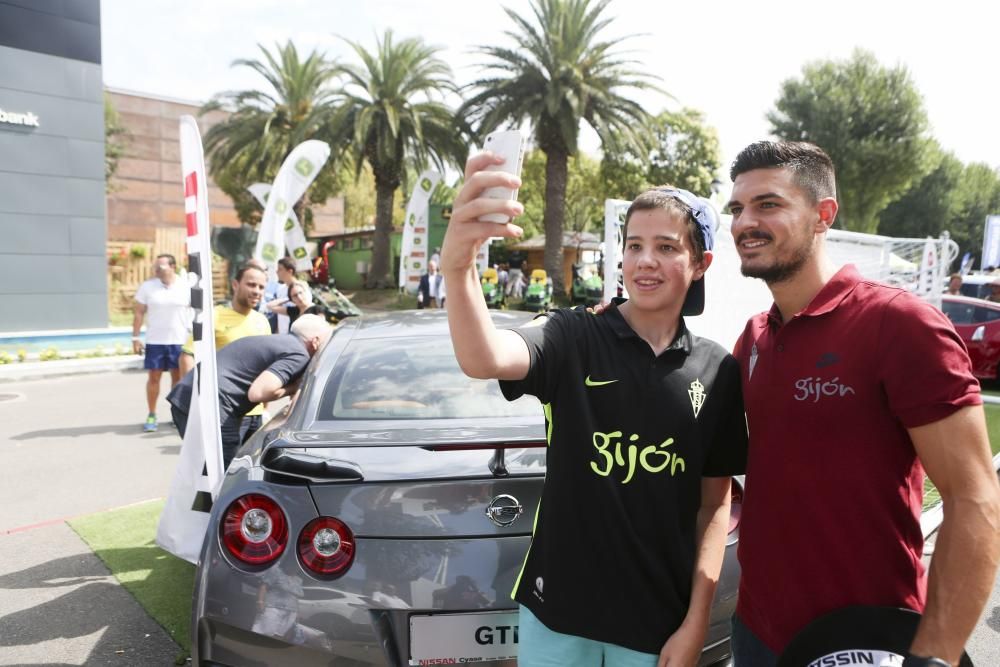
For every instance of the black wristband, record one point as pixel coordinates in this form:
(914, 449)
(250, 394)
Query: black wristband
(920, 661)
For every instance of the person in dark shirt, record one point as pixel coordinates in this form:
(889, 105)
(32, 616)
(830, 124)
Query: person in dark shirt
(253, 370)
(645, 428)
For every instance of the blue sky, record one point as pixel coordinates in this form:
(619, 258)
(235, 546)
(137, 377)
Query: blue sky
(726, 58)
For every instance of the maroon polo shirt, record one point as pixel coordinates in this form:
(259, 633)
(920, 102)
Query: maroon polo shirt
(831, 515)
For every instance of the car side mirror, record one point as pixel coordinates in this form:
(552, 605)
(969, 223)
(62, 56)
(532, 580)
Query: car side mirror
(979, 333)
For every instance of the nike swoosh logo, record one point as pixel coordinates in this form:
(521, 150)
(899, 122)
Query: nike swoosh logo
(597, 383)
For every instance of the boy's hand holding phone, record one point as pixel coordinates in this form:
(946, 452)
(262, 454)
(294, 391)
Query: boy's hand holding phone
(487, 202)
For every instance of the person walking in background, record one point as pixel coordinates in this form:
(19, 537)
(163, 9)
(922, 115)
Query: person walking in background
(286, 276)
(430, 289)
(852, 389)
(164, 303)
(515, 284)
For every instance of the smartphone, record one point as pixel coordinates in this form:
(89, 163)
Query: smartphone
(509, 144)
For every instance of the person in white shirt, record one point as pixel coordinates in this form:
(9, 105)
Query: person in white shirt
(431, 290)
(165, 303)
(286, 278)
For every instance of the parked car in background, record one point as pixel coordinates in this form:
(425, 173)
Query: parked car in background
(384, 518)
(978, 323)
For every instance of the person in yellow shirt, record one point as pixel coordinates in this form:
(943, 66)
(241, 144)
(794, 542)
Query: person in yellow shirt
(239, 320)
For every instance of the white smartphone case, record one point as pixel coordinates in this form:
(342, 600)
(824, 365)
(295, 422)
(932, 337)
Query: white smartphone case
(508, 144)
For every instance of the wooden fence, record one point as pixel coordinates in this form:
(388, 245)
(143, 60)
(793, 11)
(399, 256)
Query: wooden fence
(131, 263)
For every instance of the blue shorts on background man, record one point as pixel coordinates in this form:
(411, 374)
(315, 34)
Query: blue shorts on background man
(162, 357)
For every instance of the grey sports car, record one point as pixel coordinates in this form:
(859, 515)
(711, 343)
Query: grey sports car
(383, 519)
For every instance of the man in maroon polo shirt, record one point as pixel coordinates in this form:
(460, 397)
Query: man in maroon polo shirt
(852, 390)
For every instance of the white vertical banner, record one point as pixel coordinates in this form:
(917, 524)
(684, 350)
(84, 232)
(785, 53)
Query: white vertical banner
(413, 253)
(298, 170)
(295, 237)
(927, 278)
(483, 256)
(991, 242)
(199, 470)
(614, 223)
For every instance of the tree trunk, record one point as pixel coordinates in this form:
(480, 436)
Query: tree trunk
(380, 269)
(556, 167)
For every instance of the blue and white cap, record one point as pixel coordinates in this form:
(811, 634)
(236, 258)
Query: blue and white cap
(707, 220)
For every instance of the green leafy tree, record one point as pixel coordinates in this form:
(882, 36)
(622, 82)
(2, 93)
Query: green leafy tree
(977, 196)
(115, 140)
(953, 197)
(560, 72)
(929, 206)
(685, 154)
(584, 194)
(870, 120)
(265, 125)
(391, 116)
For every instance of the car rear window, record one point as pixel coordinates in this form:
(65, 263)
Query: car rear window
(412, 378)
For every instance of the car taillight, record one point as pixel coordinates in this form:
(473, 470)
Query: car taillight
(326, 546)
(736, 506)
(254, 530)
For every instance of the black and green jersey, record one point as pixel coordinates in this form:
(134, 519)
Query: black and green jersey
(631, 435)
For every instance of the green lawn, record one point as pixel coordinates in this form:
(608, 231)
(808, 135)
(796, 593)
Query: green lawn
(161, 582)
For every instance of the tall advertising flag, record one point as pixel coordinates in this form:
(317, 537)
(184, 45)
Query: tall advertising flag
(199, 470)
(413, 252)
(297, 172)
(295, 238)
(614, 223)
(991, 242)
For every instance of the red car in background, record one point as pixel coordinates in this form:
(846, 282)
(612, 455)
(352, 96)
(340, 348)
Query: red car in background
(978, 323)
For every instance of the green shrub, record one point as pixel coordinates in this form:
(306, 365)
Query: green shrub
(5, 358)
(48, 354)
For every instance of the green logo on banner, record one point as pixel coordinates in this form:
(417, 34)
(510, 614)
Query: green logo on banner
(426, 184)
(304, 167)
(288, 225)
(299, 253)
(269, 252)
(281, 206)
(413, 219)
(416, 265)
(417, 240)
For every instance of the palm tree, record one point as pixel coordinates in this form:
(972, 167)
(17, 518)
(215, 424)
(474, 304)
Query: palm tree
(560, 74)
(391, 114)
(265, 125)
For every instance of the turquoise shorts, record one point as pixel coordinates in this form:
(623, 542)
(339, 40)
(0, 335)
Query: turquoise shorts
(537, 646)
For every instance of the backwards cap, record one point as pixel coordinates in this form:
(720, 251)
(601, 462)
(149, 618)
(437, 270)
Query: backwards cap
(706, 220)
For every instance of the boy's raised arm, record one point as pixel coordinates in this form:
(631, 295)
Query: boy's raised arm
(482, 350)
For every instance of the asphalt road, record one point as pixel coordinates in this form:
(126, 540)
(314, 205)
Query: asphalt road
(72, 446)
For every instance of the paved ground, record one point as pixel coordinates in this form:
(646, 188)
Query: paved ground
(72, 446)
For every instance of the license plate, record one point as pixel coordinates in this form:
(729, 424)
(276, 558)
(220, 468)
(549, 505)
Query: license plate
(455, 639)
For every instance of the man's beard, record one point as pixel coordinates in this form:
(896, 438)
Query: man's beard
(243, 302)
(780, 270)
